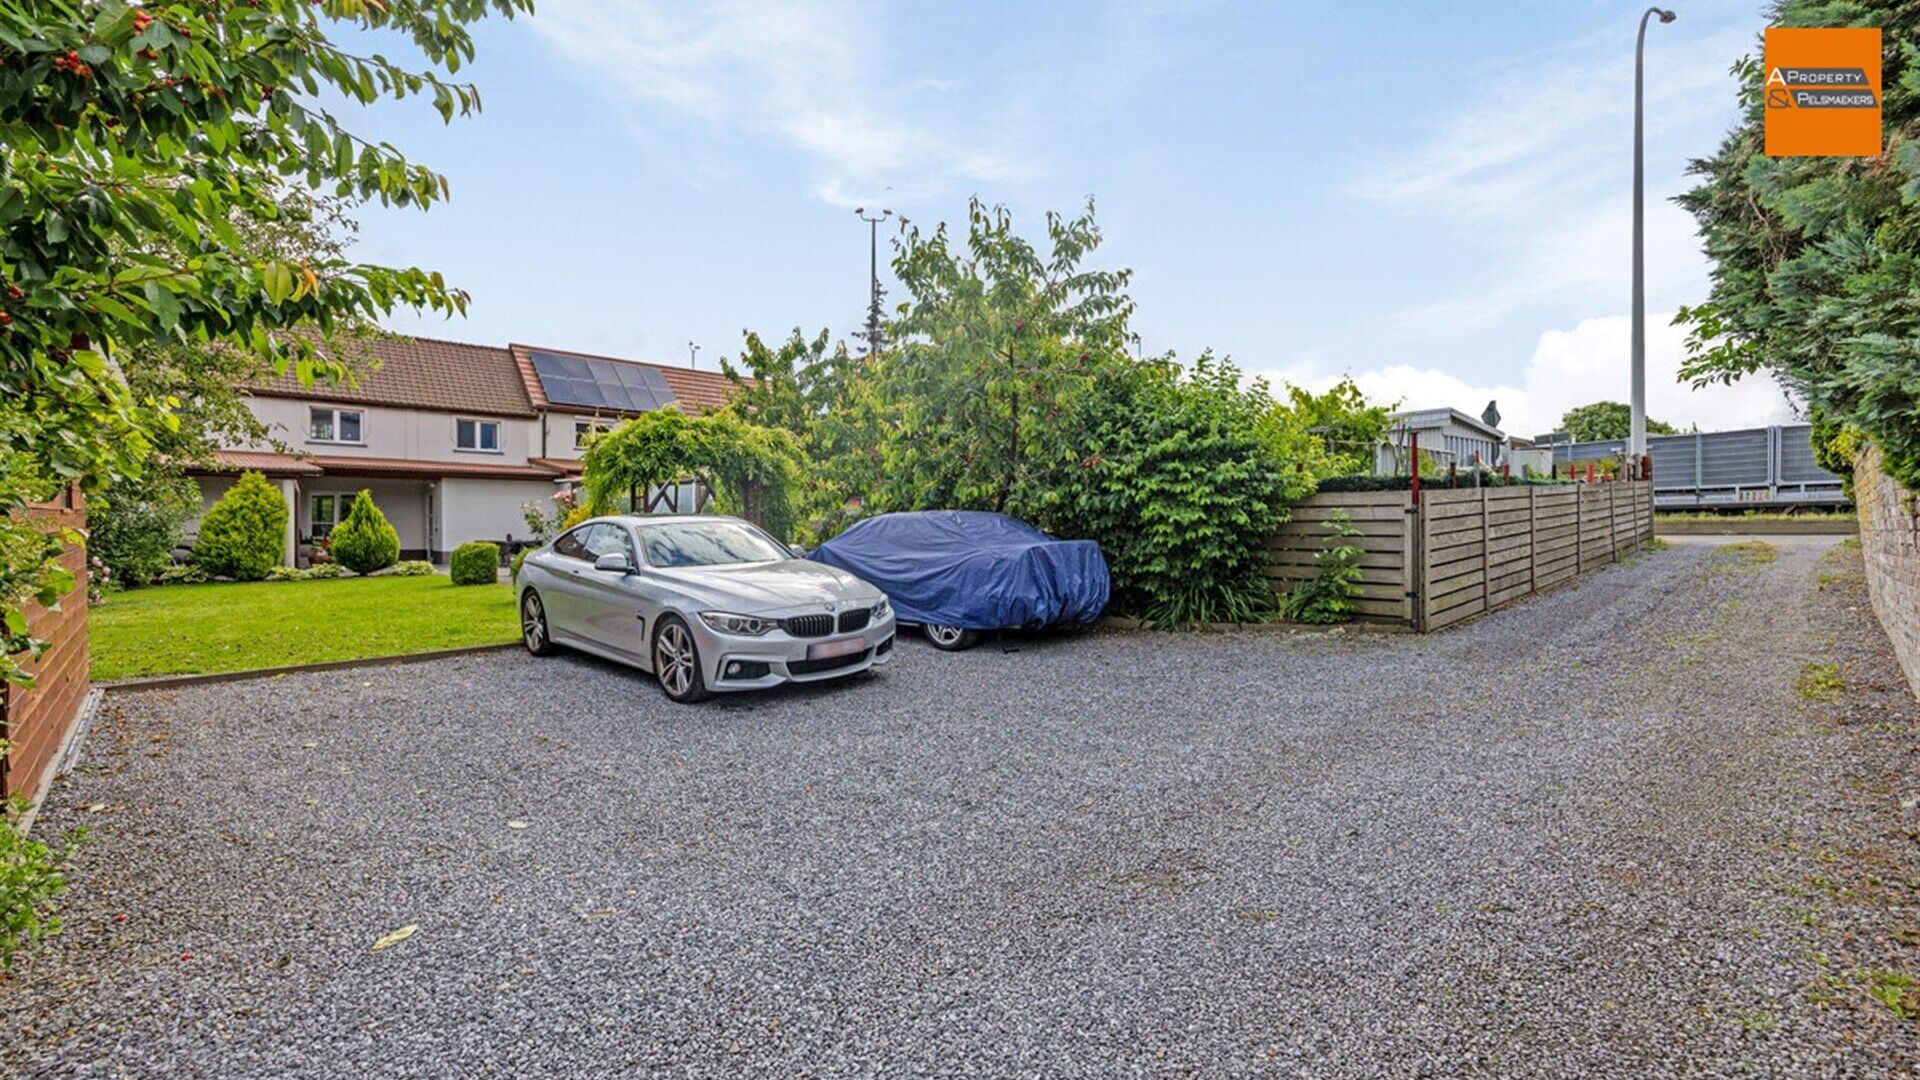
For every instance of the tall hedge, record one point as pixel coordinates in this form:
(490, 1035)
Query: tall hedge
(365, 541)
(1183, 477)
(244, 534)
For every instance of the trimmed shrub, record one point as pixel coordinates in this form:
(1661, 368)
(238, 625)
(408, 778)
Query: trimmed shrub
(326, 571)
(475, 562)
(133, 526)
(518, 558)
(412, 568)
(365, 540)
(244, 533)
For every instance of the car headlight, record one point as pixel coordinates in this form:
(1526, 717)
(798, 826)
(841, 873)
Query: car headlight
(744, 625)
(882, 609)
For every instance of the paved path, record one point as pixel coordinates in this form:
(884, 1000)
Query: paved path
(1548, 843)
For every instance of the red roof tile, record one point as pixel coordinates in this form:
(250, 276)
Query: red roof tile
(424, 373)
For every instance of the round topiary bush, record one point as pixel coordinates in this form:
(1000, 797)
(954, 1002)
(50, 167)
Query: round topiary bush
(245, 532)
(475, 562)
(365, 540)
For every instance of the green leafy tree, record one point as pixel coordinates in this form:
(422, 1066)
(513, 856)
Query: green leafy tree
(995, 347)
(132, 138)
(825, 399)
(1605, 420)
(1816, 260)
(365, 540)
(1348, 425)
(244, 534)
(134, 527)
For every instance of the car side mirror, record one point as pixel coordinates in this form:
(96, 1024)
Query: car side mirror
(798, 551)
(613, 563)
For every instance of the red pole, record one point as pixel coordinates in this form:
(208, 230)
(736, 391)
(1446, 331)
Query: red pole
(1414, 445)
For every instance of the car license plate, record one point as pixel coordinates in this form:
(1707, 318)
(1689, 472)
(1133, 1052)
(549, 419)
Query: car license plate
(827, 649)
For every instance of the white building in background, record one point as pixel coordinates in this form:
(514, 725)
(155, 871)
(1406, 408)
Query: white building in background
(1450, 437)
(451, 439)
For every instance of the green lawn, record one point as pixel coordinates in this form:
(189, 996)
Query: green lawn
(200, 629)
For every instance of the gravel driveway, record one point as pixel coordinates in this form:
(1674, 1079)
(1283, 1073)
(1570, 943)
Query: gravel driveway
(1551, 842)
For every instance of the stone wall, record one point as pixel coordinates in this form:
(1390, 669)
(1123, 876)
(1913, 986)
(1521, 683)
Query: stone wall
(1890, 543)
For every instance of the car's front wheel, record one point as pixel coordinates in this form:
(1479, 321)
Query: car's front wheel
(533, 625)
(676, 662)
(951, 638)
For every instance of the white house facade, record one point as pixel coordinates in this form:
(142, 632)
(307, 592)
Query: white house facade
(451, 439)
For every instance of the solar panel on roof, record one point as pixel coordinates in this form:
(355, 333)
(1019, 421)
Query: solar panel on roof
(600, 384)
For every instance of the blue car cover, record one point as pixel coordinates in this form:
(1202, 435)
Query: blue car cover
(972, 569)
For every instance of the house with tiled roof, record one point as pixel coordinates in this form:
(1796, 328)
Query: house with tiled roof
(452, 439)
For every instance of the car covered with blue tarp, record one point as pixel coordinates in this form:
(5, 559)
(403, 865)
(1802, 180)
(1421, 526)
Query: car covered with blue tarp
(960, 572)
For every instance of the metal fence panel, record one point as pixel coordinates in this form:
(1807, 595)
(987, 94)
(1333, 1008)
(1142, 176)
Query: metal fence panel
(1796, 458)
(1735, 459)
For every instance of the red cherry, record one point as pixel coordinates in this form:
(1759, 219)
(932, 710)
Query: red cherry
(5, 319)
(14, 293)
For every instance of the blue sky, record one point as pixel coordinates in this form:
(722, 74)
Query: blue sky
(1430, 198)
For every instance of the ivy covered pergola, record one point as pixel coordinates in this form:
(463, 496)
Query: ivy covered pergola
(751, 470)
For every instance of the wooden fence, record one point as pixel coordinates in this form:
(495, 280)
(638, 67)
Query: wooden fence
(37, 722)
(1461, 552)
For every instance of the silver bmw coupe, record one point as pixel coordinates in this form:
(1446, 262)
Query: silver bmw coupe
(705, 603)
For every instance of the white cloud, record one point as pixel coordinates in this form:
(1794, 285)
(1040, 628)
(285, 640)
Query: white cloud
(803, 72)
(1574, 367)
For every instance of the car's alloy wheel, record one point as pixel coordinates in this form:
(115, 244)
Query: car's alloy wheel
(951, 638)
(533, 625)
(676, 661)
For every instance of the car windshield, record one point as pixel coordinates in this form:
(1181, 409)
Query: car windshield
(708, 543)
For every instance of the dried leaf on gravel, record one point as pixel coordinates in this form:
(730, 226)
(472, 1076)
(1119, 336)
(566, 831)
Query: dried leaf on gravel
(396, 937)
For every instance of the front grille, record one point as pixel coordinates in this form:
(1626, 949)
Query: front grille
(814, 667)
(808, 625)
(855, 620)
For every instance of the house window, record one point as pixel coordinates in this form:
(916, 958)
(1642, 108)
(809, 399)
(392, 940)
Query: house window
(324, 512)
(334, 425)
(479, 435)
(584, 430)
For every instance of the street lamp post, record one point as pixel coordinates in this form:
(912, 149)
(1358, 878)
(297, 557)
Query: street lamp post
(1637, 441)
(873, 270)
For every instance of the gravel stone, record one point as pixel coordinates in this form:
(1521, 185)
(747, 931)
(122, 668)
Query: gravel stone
(1556, 841)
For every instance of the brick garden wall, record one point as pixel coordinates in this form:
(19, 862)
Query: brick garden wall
(1890, 543)
(37, 721)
